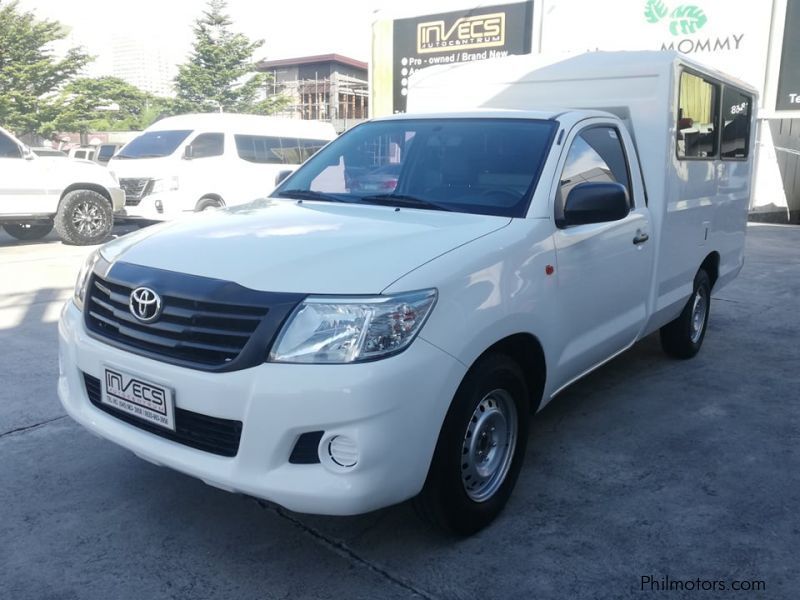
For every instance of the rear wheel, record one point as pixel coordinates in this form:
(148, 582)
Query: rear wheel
(84, 218)
(480, 449)
(683, 337)
(29, 231)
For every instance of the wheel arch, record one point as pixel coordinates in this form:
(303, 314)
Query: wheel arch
(710, 265)
(94, 187)
(527, 351)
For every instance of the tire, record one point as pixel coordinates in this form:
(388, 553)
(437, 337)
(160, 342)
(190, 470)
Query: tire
(683, 337)
(206, 203)
(84, 218)
(456, 496)
(25, 232)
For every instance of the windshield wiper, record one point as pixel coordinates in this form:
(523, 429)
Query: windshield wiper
(310, 195)
(404, 199)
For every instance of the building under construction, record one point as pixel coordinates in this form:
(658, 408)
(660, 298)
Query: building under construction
(328, 87)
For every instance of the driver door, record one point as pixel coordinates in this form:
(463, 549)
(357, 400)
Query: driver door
(603, 268)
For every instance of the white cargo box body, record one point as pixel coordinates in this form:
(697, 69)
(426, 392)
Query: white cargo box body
(697, 205)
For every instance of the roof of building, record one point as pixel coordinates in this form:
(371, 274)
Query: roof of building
(306, 60)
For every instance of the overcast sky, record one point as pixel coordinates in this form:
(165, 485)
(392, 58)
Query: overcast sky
(290, 28)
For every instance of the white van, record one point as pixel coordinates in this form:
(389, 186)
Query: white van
(193, 162)
(383, 326)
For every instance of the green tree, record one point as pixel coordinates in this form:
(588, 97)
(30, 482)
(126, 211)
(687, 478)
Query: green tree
(220, 74)
(102, 103)
(29, 73)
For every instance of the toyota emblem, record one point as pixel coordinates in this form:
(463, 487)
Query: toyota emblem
(145, 304)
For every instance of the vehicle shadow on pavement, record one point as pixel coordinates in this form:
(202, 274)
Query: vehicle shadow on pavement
(52, 237)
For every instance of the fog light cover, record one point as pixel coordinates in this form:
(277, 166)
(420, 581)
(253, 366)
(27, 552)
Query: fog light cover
(343, 451)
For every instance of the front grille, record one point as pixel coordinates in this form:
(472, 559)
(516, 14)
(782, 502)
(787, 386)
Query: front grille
(210, 434)
(202, 332)
(205, 323)
(135, 189)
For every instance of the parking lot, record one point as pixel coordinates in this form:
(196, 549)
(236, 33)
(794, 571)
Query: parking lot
(648, 467)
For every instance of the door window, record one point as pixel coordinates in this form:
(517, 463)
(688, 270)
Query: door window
(8, 147)
(596, 154)
(208, 144)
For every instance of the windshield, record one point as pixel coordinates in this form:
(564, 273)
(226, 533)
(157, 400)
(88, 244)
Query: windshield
(106, 152)
(484, 166)
(154, 144)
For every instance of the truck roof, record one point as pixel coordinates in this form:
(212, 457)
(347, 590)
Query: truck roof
(484, 113)
(496, 113)
(641, 89)
(245, 123)
(540, 68)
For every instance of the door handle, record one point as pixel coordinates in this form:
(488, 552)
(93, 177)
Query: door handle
(641, 238)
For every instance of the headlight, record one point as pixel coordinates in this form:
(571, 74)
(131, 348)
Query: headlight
(83, 278)
(167, 184)
(345, 330)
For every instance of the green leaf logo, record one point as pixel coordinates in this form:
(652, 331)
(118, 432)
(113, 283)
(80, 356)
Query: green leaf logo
(687, 19)
(655, 10)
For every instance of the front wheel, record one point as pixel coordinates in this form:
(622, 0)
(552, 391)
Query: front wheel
(480, 449)
(84, 218)
(683, 337)
(29, 231)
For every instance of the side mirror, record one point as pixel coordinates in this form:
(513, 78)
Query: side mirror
(27, 153)
(188, 152)
(596, 202)
(281, 176)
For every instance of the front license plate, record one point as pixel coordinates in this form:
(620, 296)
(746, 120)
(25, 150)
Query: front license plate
(140, 398)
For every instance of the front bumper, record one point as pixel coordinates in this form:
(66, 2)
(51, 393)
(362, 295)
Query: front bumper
(393, 409)
(162, 206)
(117, 199)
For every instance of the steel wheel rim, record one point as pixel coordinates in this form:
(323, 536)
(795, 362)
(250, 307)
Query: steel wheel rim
(489, 444)
(87, 218)
(699, 310)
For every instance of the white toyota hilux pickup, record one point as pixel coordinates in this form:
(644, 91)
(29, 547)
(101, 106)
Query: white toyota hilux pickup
(37, 193)
(384, 324)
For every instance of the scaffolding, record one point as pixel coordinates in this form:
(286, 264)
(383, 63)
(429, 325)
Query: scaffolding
(339, 98)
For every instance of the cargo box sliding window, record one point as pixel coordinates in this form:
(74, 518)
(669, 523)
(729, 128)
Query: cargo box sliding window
(735, 124)
(698, 118)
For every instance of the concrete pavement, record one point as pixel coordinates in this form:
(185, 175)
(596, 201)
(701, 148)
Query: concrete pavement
(648, 467)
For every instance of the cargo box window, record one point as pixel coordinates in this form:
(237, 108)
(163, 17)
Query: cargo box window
(697, 118)
(735, 123)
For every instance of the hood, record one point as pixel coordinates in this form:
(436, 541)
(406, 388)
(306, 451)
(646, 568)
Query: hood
(71, 171)
(309, 247)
